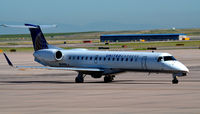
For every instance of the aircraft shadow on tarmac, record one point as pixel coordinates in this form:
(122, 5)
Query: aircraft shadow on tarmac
(60, 74)
(91, 82)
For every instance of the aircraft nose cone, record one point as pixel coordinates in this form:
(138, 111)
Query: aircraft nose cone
(183, 68)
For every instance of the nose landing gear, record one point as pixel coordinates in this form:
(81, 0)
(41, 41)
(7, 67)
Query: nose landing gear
(175, 75)
(175, 80)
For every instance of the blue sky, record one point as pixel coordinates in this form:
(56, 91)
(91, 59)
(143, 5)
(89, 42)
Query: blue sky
(100, 15)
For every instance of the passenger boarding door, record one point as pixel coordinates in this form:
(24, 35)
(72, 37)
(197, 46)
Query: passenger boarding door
(144, 63)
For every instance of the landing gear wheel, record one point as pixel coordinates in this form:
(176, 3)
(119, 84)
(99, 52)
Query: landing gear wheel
(175, 81)
(108, 78)
(79, 78)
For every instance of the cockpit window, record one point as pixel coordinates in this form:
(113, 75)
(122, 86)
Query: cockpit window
(169, 58)
(159, 59)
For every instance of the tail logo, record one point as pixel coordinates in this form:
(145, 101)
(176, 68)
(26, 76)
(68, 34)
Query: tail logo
(40, 43)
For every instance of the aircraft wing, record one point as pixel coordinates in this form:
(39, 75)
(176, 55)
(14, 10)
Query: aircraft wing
(53, 68)
(61, 68)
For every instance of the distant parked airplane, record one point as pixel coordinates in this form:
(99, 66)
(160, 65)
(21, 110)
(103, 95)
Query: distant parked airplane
(99, 63)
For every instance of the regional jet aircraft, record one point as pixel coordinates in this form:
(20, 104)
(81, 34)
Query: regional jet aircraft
(99, 63)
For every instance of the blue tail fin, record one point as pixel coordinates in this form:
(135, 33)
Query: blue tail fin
(39, 42)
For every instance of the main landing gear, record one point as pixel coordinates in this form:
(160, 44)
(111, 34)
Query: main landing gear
(80, 78)
(109, 78)
(175, 80)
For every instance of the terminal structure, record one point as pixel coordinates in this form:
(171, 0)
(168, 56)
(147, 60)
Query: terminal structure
(142, 37)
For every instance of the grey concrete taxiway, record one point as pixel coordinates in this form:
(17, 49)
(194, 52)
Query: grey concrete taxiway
(50, 91)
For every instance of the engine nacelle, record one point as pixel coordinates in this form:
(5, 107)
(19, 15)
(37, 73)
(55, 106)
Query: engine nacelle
(48, 54)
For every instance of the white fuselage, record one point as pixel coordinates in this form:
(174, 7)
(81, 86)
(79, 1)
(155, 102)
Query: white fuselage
(115, 61)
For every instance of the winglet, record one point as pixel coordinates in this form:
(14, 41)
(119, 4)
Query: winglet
(8, 60)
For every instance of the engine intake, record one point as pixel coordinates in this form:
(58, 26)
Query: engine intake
(48, 54)
(59, 55)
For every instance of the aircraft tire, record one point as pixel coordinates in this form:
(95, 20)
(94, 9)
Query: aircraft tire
(108, 78)
(79, 80)
(174, 81)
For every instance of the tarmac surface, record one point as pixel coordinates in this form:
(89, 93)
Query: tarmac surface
(50, 91)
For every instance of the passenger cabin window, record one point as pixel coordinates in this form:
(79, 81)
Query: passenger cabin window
(131, 59)
(169, 58)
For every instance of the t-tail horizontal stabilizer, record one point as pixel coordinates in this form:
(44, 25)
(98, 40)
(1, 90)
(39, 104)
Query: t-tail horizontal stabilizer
(23, 26)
